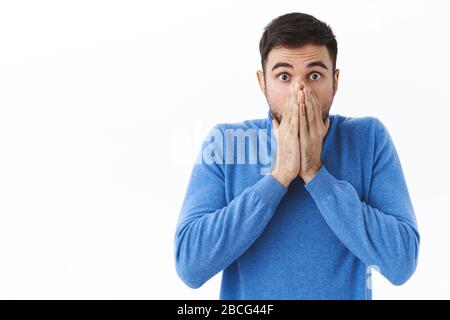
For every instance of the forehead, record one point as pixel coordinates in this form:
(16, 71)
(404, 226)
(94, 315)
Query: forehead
(298, 57)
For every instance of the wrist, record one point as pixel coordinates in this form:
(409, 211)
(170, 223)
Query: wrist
(283, 179)
(309, 175)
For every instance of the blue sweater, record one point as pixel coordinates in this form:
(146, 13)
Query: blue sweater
(313, 241)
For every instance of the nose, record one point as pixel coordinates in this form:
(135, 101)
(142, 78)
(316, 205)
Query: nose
(300, 84)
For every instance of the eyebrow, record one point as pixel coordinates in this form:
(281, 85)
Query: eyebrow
(310, 65)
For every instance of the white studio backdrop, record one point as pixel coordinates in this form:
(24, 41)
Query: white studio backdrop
(104, 104)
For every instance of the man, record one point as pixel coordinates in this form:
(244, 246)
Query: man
(333, 205)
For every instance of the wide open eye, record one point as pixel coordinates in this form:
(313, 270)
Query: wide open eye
(315, 76)
(283, 77)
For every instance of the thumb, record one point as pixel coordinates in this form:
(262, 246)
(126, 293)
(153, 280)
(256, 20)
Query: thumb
(275, 123)
(327, 124)
(275, 126)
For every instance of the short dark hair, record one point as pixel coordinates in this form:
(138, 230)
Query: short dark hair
(294, 30)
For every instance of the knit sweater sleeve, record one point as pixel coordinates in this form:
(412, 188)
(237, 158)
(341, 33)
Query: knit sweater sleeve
(382, 232)
(211, 233)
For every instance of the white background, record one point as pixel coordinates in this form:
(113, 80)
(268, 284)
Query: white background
(104, 104)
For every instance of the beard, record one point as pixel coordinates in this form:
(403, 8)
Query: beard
(276, 115)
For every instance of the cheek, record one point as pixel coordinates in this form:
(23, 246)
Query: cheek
(277, 96)
(324, 96)
(326, 104)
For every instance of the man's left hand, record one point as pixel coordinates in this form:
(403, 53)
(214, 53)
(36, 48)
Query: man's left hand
(312, 132)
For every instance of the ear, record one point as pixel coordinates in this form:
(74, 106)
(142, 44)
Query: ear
(336, 81)
(261, 80)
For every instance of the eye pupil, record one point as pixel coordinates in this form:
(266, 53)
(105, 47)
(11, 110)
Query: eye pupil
(284, 77)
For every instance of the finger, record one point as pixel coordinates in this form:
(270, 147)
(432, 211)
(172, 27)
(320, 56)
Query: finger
(317, 111)
(303, 123)
(286, 108)
(327, 125)
(286, 113)
(300, 100)
(275, 127)
(309, 112)
(293, 102)
(275, 123)
(300, 97)
(295, 117)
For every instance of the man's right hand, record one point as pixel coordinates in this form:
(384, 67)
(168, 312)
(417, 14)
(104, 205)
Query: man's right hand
(287, 165)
